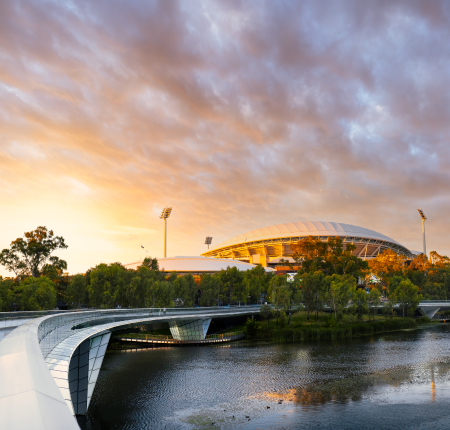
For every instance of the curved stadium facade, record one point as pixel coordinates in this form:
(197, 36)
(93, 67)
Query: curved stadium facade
(269, 245)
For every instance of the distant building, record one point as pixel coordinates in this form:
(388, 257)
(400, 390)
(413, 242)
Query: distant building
(268, 246)
(196, 265)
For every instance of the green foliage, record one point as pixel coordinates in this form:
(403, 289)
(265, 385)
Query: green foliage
(31, 255)
(185, 290)
(333, 332)
(280, 292)
(339, 290)
(233, 289)
(360, 302)
(266, 312)
(251, 328)
(406, 294)
(257, 282)
(313, 291)
(7, 294)
(282, 320)
(210, 289)
(374, 300)
(76, 291)
(37, 294)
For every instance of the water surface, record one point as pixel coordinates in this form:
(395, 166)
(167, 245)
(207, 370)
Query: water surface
(400, 380)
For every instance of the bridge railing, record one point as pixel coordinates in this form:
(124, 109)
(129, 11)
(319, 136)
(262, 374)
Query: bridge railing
(55, 328)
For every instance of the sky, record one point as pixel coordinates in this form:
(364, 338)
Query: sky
(238, 114)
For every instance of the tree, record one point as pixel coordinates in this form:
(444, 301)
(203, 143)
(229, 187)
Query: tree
(151, 263)
(210, 288)
(37, 294)
(251, 328)
(28, 256)
(76, 291)
(232, 285)
(7, 294)
(153, 293)
(265, 312)
(257, 283)
(374, 301)
(341, 289)
(360, 302)
(331, 257)
(406, 294)
(313, 291)
(310, 252)
(279, 292)
(181, 291)
(165, 298)
(386, 265)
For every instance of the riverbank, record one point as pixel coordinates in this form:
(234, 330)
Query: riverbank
(325, 328)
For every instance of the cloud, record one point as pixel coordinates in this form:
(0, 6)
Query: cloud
(238, 115)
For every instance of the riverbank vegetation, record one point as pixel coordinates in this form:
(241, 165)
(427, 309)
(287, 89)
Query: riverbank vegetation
(328, 277)
(300, 328)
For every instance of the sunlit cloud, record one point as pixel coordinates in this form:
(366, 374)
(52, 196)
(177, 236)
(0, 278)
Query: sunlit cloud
(237, 114)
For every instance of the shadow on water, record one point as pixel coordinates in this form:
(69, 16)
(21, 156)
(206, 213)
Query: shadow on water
(397, 380)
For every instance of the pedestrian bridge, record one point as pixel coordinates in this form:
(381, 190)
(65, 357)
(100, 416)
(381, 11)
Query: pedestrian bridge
(49, 364)
(429, 308)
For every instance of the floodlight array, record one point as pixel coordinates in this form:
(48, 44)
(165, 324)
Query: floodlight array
(166, 213)
(422, 214)
(208, 240)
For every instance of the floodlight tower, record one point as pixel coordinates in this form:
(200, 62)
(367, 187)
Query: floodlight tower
(208, 241)
(165, 214)
(422, 215)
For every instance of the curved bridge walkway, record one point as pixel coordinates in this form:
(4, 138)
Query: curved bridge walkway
(49, 365)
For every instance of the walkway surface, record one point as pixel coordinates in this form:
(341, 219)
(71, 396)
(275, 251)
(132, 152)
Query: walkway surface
(215, 338)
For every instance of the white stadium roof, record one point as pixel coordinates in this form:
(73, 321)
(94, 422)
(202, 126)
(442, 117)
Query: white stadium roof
(307, 228)
(197, 264)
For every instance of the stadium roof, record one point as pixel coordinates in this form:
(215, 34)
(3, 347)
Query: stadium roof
(307, 228)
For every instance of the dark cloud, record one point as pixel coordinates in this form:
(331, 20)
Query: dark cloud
(239, 114)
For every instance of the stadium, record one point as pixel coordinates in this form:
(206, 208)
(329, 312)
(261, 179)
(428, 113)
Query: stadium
(269, 245)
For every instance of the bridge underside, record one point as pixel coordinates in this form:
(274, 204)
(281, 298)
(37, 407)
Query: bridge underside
(429, 312)
(189, 329)
(75, 361)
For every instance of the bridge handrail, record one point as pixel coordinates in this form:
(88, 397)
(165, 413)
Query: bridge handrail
(26, 380)
(50, 334)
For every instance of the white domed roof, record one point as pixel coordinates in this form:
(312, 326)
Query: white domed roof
(307, 228)
(197, 264)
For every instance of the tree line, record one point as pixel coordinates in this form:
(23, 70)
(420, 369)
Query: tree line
(328, 276)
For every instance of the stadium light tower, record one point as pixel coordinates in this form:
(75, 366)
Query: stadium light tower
(208, 241)
(422, 215)
(165, 214)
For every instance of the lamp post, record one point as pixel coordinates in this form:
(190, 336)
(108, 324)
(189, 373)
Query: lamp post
(165, 214)
(208, 241)
(422, 215)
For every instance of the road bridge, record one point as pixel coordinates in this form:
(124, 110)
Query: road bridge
(49, 365)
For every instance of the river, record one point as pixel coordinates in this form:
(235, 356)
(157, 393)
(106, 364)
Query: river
(398, 380)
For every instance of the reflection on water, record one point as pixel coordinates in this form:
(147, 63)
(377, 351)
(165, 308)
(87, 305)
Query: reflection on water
(399, 380)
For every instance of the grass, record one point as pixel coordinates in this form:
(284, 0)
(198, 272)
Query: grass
(237, 328)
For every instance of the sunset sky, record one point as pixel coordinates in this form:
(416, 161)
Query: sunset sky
(238, 114)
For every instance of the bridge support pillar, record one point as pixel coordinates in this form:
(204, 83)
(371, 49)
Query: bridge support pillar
(84, 369)
(428, 312)
(189, 329)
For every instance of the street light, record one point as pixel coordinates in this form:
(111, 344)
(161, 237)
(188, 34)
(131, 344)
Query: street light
(165, 214)
(422, 215)
(208, 241)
